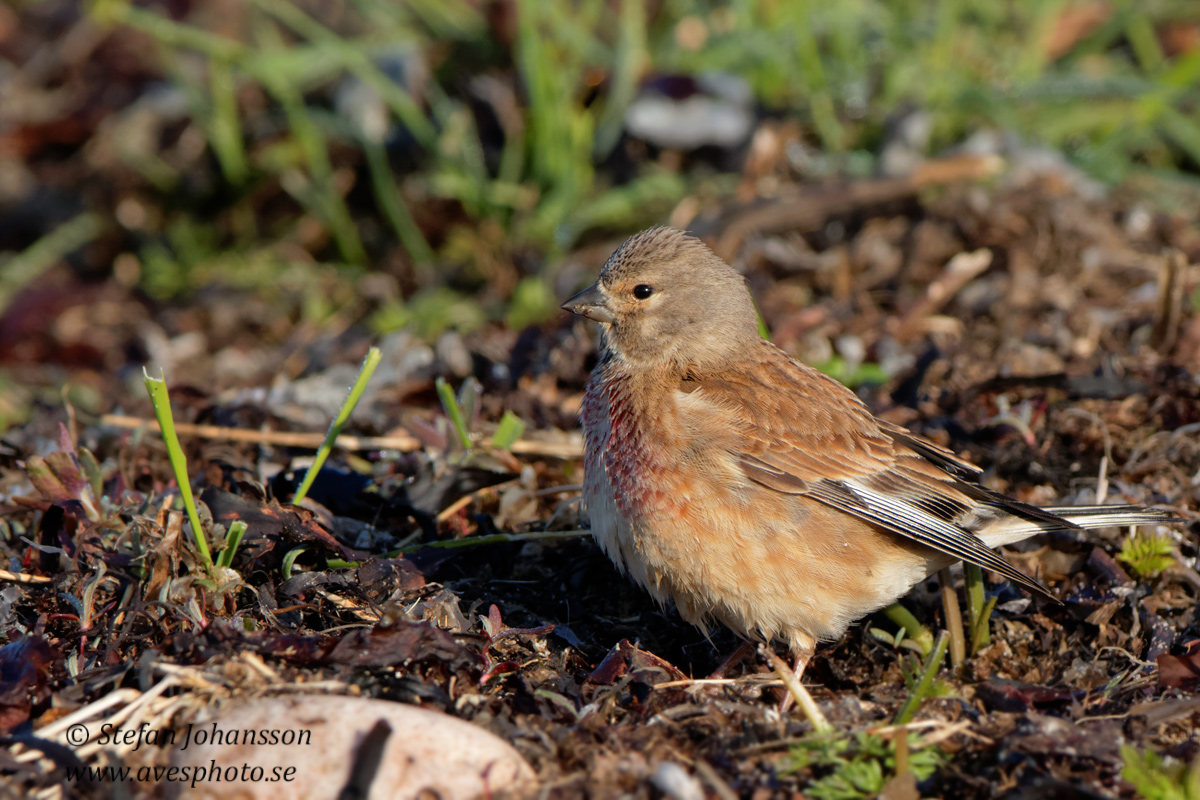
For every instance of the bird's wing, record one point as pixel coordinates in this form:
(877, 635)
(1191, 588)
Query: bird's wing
(798, 431)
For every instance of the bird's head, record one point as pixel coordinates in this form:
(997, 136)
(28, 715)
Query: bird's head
(664, 299)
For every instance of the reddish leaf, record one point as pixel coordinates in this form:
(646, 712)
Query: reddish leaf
(1179, 672)
(24, 669)
(492, 622)
(1002, 694)
(399, 643)
(269, 524)
(498, 669)
(627, 658)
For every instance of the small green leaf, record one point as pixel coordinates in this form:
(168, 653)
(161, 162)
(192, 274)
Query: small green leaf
(289, 560)
(91, 470)
(450, 405)
(1154, 779)
(508, 431)
(1148, 555)
(233, 538)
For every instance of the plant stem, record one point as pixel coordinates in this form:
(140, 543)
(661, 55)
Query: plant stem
(925, 682)
(977, 607)
(954, 621)
(912, 626)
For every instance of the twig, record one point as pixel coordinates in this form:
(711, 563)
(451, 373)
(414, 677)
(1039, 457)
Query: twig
(749, 680)
(809, 210)
(471, 541)
(497, 538)
(401, 441)
(21, 577)
(722, 789)
(958, 272)
(1170, 301)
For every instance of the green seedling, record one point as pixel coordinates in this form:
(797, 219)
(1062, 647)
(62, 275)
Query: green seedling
(979, 607)
(920, 636)
(352, 397)
(1154, 778)
(233, 538)
(289, 560)
(1148, 555)
(509, 430)
(67, 475)
(454, 412)
(848, 768)
(166, 423)
(922, 684)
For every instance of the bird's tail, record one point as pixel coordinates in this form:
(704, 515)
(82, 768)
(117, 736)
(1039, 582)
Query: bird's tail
(1088, 517)
(1025, 521)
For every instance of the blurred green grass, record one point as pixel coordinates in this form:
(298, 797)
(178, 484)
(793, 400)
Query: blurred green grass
(1095, 80)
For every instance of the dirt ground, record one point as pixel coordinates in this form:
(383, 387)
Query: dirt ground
(1067, 356)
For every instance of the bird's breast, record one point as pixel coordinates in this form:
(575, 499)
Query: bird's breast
(629, 438)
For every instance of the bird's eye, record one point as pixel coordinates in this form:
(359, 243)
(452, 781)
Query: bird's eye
(642, 291)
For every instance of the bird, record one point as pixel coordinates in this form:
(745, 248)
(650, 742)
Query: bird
(753, 490)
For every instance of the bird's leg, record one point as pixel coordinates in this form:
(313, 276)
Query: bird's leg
(744, 649)
(802, 658)
(796, 689)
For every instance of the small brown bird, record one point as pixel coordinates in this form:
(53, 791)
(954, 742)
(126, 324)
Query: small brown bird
(752, 489)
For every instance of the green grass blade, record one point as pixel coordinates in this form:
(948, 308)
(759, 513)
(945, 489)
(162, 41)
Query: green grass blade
(165, 31)
(166, 423)
(352, 398)
(225, 127)
(357, 60)
(978, 613)
(508, 431)
(629, 59)
(233, 538)
(387, 194)
(47, 251)
(981, 634)
(330, 205)
(453, 412)
(933, 663)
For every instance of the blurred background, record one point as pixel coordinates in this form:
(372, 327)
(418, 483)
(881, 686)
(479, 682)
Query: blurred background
(195, 183)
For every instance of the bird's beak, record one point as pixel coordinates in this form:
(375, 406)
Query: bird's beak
(590, 303)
